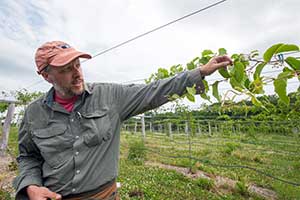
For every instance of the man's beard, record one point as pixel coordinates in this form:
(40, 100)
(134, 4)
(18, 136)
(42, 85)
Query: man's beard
(68, 92)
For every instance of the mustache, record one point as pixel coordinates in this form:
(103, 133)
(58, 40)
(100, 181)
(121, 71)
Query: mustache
(77, 80)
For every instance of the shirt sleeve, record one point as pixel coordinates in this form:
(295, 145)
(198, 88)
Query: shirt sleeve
(136, 99)
(29, 161)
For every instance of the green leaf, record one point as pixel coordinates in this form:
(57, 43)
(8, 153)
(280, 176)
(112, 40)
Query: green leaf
(287, 48)
(204, 60)
(255, 101)
(204, 96)
(190, 66)
(3, 107)
(191, 90)
(258, 70)
(293, 63)
(279, 48)
(207, 52)
(222, 51)
(286, 69)
(271, 51)
(235, 56)
(174, 97)
(190, 97)
(175, 69)
(235, 85)
(162, 73)
(215, 91)
(280, 87)
(224, 72)
(239, 71)
(247, 83)
(256, 86)
(206, 87)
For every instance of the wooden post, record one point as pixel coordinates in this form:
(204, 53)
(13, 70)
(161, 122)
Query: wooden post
(199, 129)
(186, 130)
(209, 128)
(170, 129)
(135, 127)
(6, 126)
(160, 128)
(150, 126)
(143, 126)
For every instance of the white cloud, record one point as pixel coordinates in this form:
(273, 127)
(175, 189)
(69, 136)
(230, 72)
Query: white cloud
(92, 26)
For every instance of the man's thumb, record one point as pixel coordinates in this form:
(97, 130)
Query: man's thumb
(54, 195)
(58, 197)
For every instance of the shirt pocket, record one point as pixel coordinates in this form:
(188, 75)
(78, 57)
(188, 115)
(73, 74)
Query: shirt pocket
(55, 144)
(96, 127)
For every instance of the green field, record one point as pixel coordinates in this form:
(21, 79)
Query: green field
(216, 156)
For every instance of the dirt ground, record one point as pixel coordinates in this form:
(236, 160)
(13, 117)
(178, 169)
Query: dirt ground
(7, 173)
(222, 185)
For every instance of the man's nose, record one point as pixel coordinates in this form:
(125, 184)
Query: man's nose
(76, 69)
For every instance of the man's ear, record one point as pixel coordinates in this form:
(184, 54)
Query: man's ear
(47, 77)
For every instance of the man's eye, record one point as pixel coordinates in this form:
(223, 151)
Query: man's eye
(66, 69)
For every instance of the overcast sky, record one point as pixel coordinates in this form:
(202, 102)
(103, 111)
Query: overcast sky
(92, 26)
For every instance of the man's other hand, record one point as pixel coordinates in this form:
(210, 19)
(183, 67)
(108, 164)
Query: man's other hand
(41, 193)
(214, 64)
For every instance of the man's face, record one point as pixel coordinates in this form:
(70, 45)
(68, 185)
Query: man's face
(67, 80)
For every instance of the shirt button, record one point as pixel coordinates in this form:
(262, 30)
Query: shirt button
(76, 153)
(72, 120)
(76, 137)
(73, 190)
(78, 172)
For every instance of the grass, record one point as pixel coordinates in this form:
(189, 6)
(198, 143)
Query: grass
(275, 154)
(155, 183)
(5, 193)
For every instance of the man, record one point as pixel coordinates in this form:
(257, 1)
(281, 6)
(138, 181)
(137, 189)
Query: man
(69, 138)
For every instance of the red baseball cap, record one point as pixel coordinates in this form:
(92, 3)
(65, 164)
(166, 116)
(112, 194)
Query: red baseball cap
(57, 54)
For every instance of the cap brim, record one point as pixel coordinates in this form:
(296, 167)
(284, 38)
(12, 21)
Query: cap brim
(67, 57)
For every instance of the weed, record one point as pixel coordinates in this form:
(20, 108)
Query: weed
(241, 188)
(205, 183)
(13, 166)
(230, 147)
(137, 152)
(296, 165)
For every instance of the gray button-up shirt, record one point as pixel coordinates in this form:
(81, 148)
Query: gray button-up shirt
(78, 151)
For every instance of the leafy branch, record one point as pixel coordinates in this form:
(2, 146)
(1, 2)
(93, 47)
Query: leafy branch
(245, 75)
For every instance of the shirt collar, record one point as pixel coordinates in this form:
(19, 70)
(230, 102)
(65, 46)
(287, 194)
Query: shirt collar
(49, 97)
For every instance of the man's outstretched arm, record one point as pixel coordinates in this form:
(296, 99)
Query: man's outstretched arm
(136, 99)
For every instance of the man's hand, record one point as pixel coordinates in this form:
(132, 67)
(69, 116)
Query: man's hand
(41, 193)
(214, 64)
